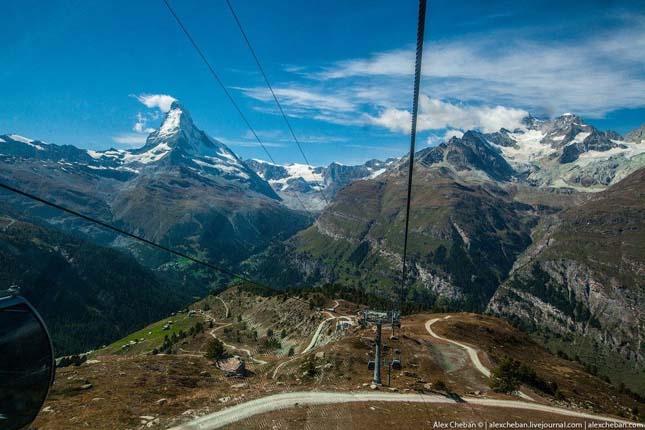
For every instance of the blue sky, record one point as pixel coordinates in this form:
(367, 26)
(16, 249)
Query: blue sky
(73, 72)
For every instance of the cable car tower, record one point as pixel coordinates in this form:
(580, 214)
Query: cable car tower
(369, 317)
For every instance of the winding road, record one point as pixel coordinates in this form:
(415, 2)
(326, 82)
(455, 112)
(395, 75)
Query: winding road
(315, 337)
(276, 402)
(246, 351)
(472, 352)
(309, 347)
(228, 312)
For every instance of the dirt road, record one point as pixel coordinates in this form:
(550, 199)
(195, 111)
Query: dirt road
(472, 352)
(307, 398)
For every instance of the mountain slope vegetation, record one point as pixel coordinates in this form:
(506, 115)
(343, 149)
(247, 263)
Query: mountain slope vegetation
(581, 285)
(87, 294)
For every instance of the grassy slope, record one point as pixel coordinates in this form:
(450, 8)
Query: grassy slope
(363, 247)
(152, 334)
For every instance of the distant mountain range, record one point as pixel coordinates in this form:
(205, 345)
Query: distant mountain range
(310, 188)
(482, 205)
(542, 224)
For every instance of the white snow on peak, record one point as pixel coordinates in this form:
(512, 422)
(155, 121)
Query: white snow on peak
(580, 137)
(303, 171)
(258, 160)
(94, 154)
(171, 124)
(228, 155)
(19, 138)
(154, 154)
(2, 140)
(567, 114)
(377, 173)
(26, 140)
(630, 150)
(528, 146)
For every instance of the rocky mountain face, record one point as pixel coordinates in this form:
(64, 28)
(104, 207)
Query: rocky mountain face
(583, 279)
(465, 232)
(182, 189)
(637, 135)
(476, 200)
(307, 188)
(539, 211)
(471, 153)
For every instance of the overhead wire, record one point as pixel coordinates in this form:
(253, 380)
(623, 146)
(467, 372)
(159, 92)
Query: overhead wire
(130, 235)
(270, 87)
(418, 60)
(142, 239)
(217, 78)
(420, 35)
(221, 84)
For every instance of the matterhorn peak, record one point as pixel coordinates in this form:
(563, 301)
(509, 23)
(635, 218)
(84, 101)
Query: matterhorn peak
(177, 120)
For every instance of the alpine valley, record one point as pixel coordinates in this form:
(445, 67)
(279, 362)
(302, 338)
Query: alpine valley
(543, 226)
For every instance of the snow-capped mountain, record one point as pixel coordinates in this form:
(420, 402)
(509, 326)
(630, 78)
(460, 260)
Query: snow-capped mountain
(182, 186)
(306, 187)
(566, 152)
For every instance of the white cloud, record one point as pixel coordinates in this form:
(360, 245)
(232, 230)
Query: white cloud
(436, 114)
(159, 101)
(591, 75)
(249, 143)
(130, 139)
(140, 125)
(450, 133)
(295, 97)
(435, 139)
(388, 63)
(393, 119)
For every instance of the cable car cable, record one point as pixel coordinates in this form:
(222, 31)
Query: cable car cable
(413, 132)
(216, 77)
(131, 235)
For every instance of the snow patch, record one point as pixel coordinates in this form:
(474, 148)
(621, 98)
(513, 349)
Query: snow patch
(580, 137)
(26, 140)
(303, 171)
(631, 150)
(171, 124)
(150, 156)
(377, 173)
(19, 138)
(94, 154)
(528, 147)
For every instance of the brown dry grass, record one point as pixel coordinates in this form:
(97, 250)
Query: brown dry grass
(126, 388)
